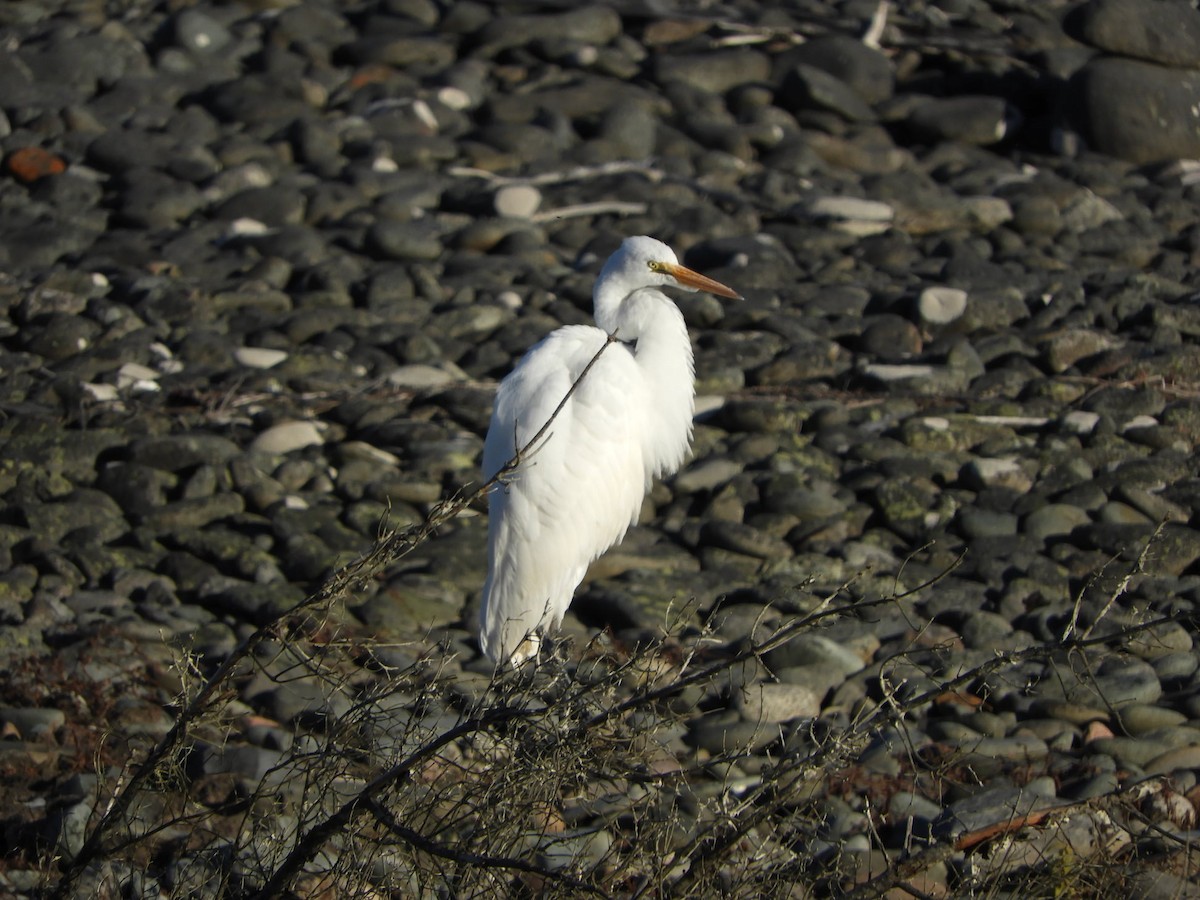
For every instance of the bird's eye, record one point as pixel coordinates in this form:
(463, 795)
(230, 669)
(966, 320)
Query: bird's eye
(655, 265)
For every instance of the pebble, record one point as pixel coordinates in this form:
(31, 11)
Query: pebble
(518, 201)
(972, 120)
(1167, 35)
(287, 437)
(259, 357)
(1006, 472)
(941, 305)
(992, 806)
(1110, 85)
(771, 703)
(1054, 520)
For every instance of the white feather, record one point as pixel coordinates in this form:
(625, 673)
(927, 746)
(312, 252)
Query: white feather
(629, 420)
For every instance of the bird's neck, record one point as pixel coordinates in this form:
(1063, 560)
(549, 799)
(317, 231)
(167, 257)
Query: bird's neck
(606, 306)
(662, 349)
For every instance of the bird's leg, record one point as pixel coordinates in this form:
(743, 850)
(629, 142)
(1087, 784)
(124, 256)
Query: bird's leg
(527, 651)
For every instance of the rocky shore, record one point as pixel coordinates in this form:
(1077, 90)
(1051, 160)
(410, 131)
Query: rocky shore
(263, 263)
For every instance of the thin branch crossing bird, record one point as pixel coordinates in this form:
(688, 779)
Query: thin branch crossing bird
(629, 389)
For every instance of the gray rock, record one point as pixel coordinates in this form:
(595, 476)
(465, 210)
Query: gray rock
(807, 87)
(588, 25)
(723, 734)
(411, 605)
(1139, 719)
(200, 33)
(771, 703)
(401, 51)
(1160, 640)
(1005, 472)
(818, 651)
(1155, 884)
(1054, 520)
(906, 804)
(1037, 215)
(273, 205)
(405, 240)
(991, 806)
(863, 68)
(1098, 786)
(1065, 349)
(1084, 210)
(33, 723)
(248, 762)
(1175, 667)
(193, 513)
(972, 120)
(1176, 550)
(1117, 683)
(1139, 111)
(1167, 32)
(713, 72)
(985, 523)
(889, 338)
(982, 630)
(908, 508)
(173, 453)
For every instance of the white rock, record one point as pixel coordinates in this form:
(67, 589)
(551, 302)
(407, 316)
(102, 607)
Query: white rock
(1140, 422)
(136, 377)
(286, 437)
(851, 215)
(941, 305)
(510, 300)
(1002, 472)
(454, 98)
(585, 56)
(860, 227)
(889, 372)
(369, 452)
(425, 115)
(1014, 421)
(418, 376)
(834, 207)
(708, 404)
(246, 227)
(1087, 210)
(518, 201)
(1080, 421)
(105, 393)
(259, 357)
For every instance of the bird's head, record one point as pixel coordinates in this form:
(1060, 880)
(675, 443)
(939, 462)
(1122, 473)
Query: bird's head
(645, 262)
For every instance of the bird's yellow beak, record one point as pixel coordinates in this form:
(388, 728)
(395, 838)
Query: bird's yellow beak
(696, 281)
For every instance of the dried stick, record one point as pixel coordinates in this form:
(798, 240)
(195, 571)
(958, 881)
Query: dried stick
(386, 550)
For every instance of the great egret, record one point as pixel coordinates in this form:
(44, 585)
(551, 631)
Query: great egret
(628, 421)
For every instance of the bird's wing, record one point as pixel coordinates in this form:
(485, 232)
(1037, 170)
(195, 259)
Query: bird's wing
(578, 490)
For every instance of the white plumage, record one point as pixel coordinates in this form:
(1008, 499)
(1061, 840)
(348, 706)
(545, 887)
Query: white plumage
(629, 420)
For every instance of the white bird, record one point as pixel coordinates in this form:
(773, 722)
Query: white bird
(628, 421)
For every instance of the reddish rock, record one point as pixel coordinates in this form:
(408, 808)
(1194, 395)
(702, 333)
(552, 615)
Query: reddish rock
(32, 163)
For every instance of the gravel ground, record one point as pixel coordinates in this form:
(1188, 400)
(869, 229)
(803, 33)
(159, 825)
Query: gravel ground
(262, 265)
